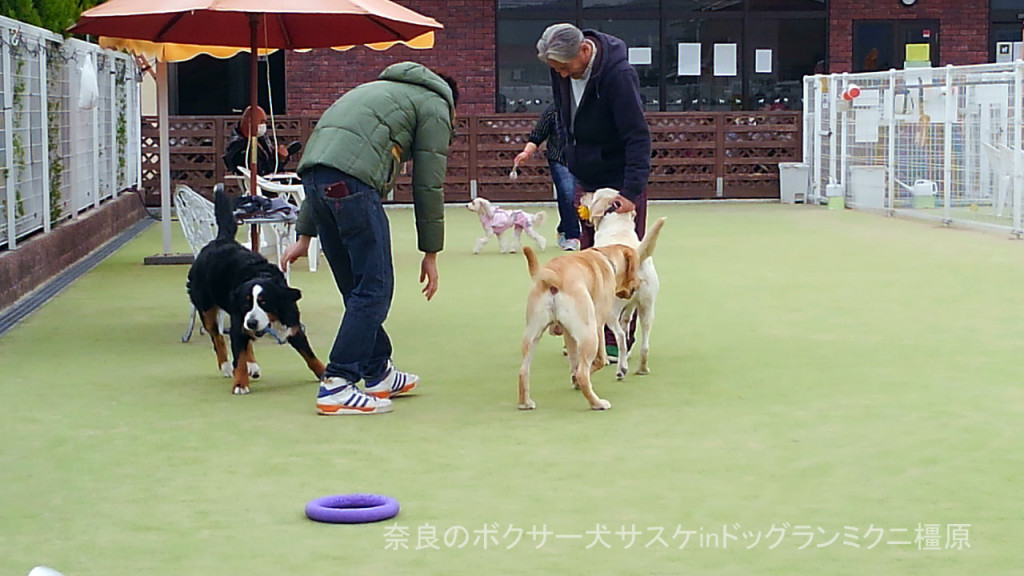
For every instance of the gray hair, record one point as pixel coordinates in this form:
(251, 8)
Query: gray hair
(560, 42)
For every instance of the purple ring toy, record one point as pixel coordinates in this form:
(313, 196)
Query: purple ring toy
(352, 508)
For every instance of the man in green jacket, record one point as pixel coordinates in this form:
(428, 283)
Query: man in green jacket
(351, 161)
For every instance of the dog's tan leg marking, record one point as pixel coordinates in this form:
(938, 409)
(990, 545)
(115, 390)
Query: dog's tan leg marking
(241, 375)
(252, 366)
(220, 349)
(316, 366)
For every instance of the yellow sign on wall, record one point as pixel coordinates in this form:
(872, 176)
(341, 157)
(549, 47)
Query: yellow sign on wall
(919, 53)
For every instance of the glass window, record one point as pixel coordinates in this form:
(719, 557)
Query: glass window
(778, 5)
(707, 91)
(703, 5)
(881, 44)
(524, 82)
(797, 49)
(792, 30)
(630, 4)
(638, 34)
(522, 8)
(225, 85)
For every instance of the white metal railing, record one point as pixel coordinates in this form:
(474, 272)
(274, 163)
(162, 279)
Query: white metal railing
(940, 143)
(56, 160)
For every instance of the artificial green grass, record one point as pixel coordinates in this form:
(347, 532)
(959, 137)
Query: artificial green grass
(825, 372)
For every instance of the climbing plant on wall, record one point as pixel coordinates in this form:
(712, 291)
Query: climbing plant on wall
(120, 78)
(54, 73)
(17, 144)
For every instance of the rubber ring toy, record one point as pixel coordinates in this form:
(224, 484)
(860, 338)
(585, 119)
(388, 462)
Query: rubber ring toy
(352, 508)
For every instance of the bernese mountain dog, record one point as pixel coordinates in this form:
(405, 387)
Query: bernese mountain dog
(228, 276)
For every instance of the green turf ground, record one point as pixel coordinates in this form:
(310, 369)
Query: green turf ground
(817, 376)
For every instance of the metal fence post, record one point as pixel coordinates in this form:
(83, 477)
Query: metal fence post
(889, 108)
(947, 152)
(11, 202)
(44, 109)
(1018, 121)
(818, 119)
(112, 150)
(844, 150)
(833, 126)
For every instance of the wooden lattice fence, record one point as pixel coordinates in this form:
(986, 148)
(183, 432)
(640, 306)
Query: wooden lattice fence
(696, 155)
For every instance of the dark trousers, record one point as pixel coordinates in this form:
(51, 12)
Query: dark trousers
(356, 239)
(587, 241)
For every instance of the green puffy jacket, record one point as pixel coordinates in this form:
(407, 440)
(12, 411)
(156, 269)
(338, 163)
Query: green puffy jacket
(367, 133)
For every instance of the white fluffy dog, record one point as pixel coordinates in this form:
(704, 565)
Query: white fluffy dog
(611, 227)
(497, 221)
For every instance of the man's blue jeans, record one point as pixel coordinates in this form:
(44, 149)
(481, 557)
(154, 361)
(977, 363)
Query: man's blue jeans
(356, 240)
(565, 188)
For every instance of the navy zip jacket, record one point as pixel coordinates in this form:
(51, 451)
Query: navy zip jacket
(608, 143)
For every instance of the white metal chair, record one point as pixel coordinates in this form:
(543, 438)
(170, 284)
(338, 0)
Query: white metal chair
(296, 194)
(198, 222)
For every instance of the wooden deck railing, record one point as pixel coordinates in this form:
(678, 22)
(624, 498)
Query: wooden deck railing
(696, 155)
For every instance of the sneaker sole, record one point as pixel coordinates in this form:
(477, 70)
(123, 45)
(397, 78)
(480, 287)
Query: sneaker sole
(331, 410)
(405, 390)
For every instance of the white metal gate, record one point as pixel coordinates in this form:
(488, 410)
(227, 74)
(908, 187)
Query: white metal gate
(940, 143)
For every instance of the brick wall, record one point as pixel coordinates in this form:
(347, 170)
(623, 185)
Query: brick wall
(464, 49)
(43, 256)
(963, 27)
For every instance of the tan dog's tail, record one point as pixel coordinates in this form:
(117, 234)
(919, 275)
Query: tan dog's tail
(541, 276)
(646, 249)
(531, 261)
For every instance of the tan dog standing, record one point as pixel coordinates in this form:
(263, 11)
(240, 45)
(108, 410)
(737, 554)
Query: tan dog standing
(612, 227)
(574, 295)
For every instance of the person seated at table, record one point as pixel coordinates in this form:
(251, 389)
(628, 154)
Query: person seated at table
(234, 154)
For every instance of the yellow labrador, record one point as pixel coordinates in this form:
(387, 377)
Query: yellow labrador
(611, 227)
(574, 295)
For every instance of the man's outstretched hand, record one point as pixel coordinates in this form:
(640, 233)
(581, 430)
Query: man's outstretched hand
(428, 273)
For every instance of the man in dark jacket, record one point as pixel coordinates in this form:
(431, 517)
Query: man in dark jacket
(351, 161)
(601, 118)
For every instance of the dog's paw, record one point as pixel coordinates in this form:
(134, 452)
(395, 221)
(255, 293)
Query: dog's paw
(240, 390)
(601, 405)
(254, 369)
(528, 405)
(643, 371)
(225, 369)
(620, 374)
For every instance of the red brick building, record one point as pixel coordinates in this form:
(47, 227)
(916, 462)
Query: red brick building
(488, 45)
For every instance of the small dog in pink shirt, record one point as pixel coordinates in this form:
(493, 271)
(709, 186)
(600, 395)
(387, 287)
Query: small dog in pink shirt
(497, 221)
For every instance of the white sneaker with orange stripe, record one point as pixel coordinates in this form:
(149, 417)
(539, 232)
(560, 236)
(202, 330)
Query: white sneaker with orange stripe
(392, 383)
(338, 397)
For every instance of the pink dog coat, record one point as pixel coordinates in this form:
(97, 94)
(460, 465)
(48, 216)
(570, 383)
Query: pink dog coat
(502, 220)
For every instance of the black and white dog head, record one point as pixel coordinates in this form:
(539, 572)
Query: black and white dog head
(267, 303)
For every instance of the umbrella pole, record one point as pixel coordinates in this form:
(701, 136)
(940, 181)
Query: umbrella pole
(165, 161)
(254, 23)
